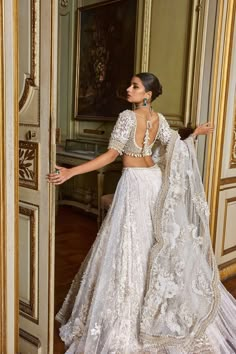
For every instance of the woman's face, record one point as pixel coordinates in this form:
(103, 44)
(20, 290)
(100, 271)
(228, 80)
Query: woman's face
(136, 91)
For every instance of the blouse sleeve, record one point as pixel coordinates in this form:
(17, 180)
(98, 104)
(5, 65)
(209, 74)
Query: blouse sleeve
(164, 133)
(121, 132)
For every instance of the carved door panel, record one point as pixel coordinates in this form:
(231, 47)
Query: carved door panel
(225, 241)
(36, 260)
(221, 161)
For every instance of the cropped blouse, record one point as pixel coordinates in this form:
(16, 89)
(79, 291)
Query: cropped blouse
(123, 135)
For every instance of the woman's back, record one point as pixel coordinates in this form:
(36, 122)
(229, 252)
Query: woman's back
(135, 133)
(146, 124)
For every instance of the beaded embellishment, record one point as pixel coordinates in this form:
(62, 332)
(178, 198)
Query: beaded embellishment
(123, 135)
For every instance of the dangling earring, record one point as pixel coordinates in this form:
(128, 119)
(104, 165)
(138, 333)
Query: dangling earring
(145, 101)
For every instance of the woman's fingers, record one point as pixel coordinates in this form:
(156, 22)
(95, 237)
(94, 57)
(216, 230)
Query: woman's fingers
(206, 128)
(55, 180)
(54, 177)
(59, 176)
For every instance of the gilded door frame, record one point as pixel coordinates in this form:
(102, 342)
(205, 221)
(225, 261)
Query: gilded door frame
(9, 177)
(219, 94)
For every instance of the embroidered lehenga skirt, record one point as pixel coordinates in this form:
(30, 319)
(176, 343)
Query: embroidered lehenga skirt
(102, 311)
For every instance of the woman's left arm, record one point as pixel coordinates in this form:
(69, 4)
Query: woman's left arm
(203, 129)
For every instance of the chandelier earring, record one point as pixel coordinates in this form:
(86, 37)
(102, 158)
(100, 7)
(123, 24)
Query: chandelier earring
(145, 102)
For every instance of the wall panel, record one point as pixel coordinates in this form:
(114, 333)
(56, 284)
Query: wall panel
(225, 248)
(28, 260)
(220, 168)
(171, 23)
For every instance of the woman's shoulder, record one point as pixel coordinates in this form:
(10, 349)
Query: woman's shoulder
(127, 115)
(162, 120)
(127, 112)
(161, 116)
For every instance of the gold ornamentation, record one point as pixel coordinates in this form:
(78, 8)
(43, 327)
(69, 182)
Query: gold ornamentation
(233, 248)
(64, 3)
(32, 78)
(29, 310)
(221, 72)
(227, 269)
(233, 153)
(146, 35)
(9, 186)
(28, 164)
(30, 338)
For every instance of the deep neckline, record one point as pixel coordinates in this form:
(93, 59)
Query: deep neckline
(135, 129)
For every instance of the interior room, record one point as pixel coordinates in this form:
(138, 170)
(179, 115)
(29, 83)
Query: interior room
(76, 60)
(181, 54)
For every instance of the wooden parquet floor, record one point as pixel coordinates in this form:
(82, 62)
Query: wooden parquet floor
(75, 233)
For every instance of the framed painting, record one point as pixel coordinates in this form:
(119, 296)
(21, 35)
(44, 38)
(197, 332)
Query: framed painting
(105, 58)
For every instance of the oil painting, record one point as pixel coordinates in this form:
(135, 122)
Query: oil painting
(105, 58)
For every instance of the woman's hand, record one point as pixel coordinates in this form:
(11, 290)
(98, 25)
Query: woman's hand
(60, 175)
(203, 129)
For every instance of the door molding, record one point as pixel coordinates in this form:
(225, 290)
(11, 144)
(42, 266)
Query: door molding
(217, 173)
(9, 177)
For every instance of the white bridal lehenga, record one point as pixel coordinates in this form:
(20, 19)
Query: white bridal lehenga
(150, 283)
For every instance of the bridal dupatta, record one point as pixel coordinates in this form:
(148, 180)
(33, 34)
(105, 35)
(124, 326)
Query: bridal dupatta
(182, 294)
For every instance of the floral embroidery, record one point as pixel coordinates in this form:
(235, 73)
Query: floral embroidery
(123, 135)
(179, 268)
(201, 204)
(185, 315)
(172, 324)
(96, 331)
(183, 231)
(79, 324)
(197, 239)
(201, 286)
(164, 133)
(172, 300)
(166, 286)
(121, 131)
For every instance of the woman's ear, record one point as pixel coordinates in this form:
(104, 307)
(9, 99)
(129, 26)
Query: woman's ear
(149, 95)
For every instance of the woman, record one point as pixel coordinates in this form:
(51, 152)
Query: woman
(150, 283)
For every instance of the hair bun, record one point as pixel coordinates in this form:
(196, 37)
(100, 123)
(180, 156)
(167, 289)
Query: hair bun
(151, 83)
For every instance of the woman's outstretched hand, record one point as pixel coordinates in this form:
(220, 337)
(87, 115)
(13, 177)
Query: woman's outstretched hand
(204, 129)
(60, 175)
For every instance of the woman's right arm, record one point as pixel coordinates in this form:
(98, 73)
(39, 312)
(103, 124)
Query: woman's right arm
(66, 173)
(118, 139)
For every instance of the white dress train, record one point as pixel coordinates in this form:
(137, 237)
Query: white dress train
(150, 283)
(107, 302)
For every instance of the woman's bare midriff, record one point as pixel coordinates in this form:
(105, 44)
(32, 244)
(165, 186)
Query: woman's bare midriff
(131, 161)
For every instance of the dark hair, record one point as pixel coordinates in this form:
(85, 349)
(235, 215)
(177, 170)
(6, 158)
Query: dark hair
(151, 83)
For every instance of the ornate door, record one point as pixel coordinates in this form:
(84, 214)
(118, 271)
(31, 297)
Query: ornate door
(37, 28)
(221, 159)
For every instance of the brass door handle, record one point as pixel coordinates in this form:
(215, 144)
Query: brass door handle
(30, 134)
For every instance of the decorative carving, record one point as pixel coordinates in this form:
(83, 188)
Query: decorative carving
(29, 309)
(28, 164)
(233, 159)
(233, 153)
(32, 78)
(64, 3)
(227, 269)
(225, 222)
(30, 338)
